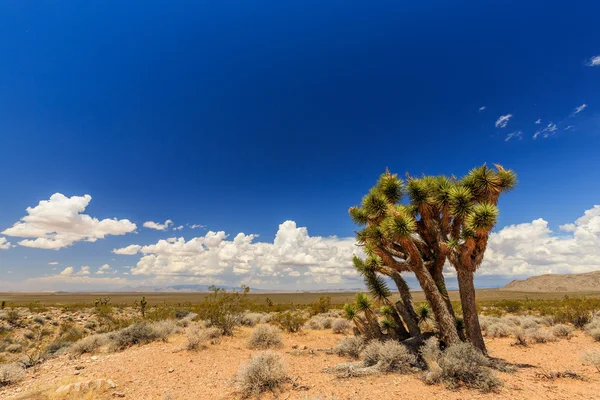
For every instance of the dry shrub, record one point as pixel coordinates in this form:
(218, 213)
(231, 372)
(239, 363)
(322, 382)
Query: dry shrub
(213, 335)
(595, 334)
(499, 330)
(194, 337)
(263, 372)
(529, 322)
(539, 336)
(340, 325)
(89, 344)
(562, 331)
(315, 323)
(264, 337)
(520, 336)
(461, 365)
(593, 325)
(350, 346)
(251, 319)
(389, 356)
(139, 333)
(592, 357)
(10, 373)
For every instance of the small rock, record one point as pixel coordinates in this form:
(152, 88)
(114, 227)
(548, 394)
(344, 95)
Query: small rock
(76, 372)
(94, 358)
(171, 370)
(304, 347)
(118, 394)
(78, 367)
(294, 346)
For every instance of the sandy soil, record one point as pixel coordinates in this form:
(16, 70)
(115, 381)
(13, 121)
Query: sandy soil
(164, 371)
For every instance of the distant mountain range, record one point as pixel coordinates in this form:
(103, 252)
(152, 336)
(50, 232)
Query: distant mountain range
(586, 282)
(205, 288)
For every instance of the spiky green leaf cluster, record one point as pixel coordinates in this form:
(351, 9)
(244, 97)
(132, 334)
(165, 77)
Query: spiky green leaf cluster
(386, 310)
(399, 224)
(377, 286)
(482, 218)
(388, 324)
(391, 187)
(349, 311)
(363, 303)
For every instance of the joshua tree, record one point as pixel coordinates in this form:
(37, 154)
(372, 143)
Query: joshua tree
(446, 220)
(404, 308)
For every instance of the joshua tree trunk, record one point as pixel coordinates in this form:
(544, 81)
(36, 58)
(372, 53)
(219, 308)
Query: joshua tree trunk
(467, 298)
(438, 276)
(406, 308)
(400, 330)
(445, 321)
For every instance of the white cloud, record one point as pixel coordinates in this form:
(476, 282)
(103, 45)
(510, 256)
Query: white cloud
(548, 131)
(178, 228)
(594, 61)
(70, 271)
(129, 250)
(53, 263)
(533, 249)
(105, 269)
(58, 223)
(157, 225)
(539, 121)
(292, 254)
(569, 127)
(515, 134)
(4, 244)
(502, 121)
(579, 109)
(196, 226)
(482, 108)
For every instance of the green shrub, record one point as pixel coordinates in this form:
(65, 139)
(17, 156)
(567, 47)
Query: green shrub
(223, 309)
(320, 306)
(289, 321)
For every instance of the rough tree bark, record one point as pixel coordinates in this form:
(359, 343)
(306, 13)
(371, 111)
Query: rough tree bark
(467, 298)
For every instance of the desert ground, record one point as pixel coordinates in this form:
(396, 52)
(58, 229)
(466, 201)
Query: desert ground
(182, 357)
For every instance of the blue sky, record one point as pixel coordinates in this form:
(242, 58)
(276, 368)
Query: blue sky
(240, 116)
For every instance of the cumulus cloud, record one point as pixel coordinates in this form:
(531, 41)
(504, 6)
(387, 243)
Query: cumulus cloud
(157, 225)
(594, 61)
(292, 254)
(4, 244)
(539, 121)
(178, 228)
(502, 121)
(516, 134)
(579, 109)
(482, 108)
(548, 131)
(105, 269)
(533, 248)
(59, 222)
(70, 271)
(196, 226)
(129, 250)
